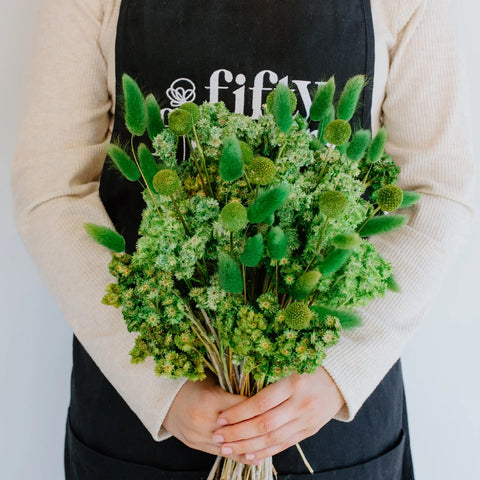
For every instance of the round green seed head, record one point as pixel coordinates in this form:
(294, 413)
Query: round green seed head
(389, 198)
(337, 132)
(193, 109)
(234, 216)
(332, 203)
(261, 170)
(180, 122)
(298, 316)
(166, 182)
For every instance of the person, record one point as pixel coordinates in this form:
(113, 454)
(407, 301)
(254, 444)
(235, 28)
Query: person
(123, 420)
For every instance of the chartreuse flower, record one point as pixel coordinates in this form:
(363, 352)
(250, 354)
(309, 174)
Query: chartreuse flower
(337, 132)
(261, 171)
(231, 161)
(347, 104)
(267, 203)
(123, 162)
(358, 145)
(332, 203)
(167, 182)
(155, 123)
(234, 216)
(253, 251)
(298, 316)
(305, 284)
(106, 237)
(377, 147)
(389, 198)
(135, 107)
(230, 276)
(322, 102)
(410, 198)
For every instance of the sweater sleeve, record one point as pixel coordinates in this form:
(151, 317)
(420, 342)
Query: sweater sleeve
(424, 112)
(66, 126)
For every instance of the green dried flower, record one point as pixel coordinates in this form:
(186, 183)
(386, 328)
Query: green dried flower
(106, 237)
(247, 153)
(322, 102)
(298, 316)
(281, 107)
(234, 216)
(334, 261)
(261, 171)
(193, 109)
(277, 243)
(347, 104)
(180, 122)
(231, 161)
(347, 241)
(383, 224)
(293, 101)
(166, 182)
(253, 251)
(360, 141)
(230, 276)
(155, 123)
(393, 285)
(337, 132)
(123, 162)
(348, 320)
(305, 284)
(267, 203)
(389, 198)
(377, 146)
(410, 198)
(135, 107)
(147, 163)
(332, 203)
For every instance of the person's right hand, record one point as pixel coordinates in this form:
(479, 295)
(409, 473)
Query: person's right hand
(192, 417)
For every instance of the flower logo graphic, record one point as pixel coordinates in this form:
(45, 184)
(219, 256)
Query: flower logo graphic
(181, 91)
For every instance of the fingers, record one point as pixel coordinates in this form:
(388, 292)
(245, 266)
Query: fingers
(266, 399)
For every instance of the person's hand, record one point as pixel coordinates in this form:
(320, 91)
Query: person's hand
(279, 416)
(192, 417)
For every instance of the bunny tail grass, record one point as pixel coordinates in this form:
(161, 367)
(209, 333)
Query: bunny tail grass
(106, 237)
(359, 143)
(383, 224)
(348, 320)
(253, 251)
(229, 273)
(281, 107)
(410, 198)
(135, 107)
(147, 163)
(322, 102)
(231, 161)
(334, 261)
(123, 162)
(348, 102)
(155, 123)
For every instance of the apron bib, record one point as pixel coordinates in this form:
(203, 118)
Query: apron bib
(236, 52)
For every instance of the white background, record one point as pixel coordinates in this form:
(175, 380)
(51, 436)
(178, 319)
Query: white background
(440, 363)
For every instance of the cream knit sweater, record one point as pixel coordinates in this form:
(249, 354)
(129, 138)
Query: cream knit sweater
(419, 94)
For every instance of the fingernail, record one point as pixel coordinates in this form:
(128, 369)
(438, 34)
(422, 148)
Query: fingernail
(249, 456)
(218, 438)
(227, 450)
(222, 421)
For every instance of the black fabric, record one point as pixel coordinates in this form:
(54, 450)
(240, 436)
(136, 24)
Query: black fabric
(179, 50)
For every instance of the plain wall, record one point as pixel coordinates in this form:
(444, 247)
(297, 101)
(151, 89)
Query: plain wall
(440, 363)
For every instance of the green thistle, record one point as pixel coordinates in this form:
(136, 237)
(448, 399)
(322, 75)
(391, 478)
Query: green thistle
(261, 171)
(234, 216)
(106, 237)
(166, 182)
(298, 316)
(180, 122)
(332, 203)
(389, 198)
(337, 132)
(305, 284)
(135, 107)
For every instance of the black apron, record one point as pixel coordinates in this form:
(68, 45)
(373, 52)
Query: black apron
(234, 51)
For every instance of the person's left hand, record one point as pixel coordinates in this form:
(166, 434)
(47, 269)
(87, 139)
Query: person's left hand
(279, 416)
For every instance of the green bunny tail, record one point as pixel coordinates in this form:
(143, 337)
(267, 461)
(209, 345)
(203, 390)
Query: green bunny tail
(347, 241)
(377, 147)
(360, 141)
(155, 123)
(281, 107)
(147, 163)
(348, 320)
(410, 198)
(123, 162)
(106, 237)
(322, 101)
(305, 284)
(247, 153)
(229, 274)
(253, 251)
(334, 261)
(393, 285)
(383, 224)
(348, 102)
(276, 243)
(267, 203)
(135, 107)
(231, 161)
